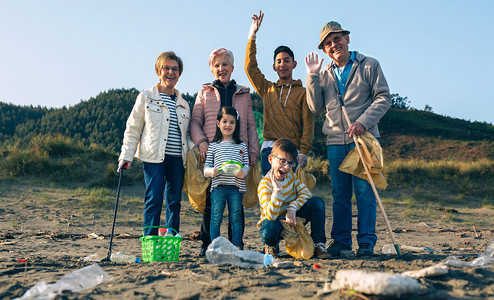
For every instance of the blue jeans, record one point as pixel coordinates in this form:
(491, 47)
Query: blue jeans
(167, 179)
(265, 165)
(312, 211)
(342, 183)
(220, 195)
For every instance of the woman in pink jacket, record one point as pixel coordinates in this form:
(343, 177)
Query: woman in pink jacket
(222, 92)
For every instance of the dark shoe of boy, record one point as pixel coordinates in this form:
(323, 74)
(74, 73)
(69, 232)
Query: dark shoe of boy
(365, 249)
(270, 250)
(321, 252)
(336, 247)
(203, 252)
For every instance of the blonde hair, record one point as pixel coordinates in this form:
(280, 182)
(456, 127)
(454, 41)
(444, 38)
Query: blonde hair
(218, 52)
(170, 55)
(286, 147)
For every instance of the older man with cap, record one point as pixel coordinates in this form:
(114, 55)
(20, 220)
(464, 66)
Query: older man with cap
(357, 82)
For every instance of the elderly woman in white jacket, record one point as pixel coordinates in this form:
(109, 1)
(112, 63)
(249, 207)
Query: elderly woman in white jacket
(156, 133)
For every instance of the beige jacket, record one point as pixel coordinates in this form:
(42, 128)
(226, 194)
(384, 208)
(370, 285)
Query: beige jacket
(147, 127)
(366, 98)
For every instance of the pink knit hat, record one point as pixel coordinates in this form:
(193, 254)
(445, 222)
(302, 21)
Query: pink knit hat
(218, 52)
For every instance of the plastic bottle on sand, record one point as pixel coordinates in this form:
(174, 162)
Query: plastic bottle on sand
(222, 251)
(389, 249)
(121, 257)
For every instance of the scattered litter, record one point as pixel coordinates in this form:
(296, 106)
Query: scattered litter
(282, 264)
(97, 257)
(390, 249)
(316, 266)
(478, 235)
(8, 243)
(222, 251)
(432, 250)
(435, 270)
(425, 224)
(376, 283)
(298, 263)
(95, 236)
(78, 280)
(485, 260)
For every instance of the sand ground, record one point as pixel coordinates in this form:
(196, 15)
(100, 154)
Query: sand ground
(55, 239)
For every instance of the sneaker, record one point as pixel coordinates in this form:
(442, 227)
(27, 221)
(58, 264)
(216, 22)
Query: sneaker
(270, 250)
(321, 252)
(336, 247)
(203, 252)
(365, 249)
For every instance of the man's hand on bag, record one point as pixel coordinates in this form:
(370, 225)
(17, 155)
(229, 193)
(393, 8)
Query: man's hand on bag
(302, 160)
(355, 129)
(313, 64)
(291, 216)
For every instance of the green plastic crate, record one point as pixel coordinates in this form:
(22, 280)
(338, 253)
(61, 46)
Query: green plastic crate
(160, 248)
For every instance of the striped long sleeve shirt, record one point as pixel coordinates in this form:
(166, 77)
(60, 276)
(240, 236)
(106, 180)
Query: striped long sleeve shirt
(293, 194)
(219, 153)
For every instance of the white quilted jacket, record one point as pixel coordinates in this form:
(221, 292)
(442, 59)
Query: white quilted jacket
(147, 127)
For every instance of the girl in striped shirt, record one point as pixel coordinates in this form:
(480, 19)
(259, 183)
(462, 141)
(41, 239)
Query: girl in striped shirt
(227, 185)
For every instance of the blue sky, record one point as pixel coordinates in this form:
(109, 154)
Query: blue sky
(58, 52)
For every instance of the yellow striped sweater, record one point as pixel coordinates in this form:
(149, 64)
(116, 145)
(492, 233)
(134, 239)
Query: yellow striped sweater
(293, 193)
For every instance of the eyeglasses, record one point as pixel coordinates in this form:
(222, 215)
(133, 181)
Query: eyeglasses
(168, 69)
(284, 162)
(334, 40)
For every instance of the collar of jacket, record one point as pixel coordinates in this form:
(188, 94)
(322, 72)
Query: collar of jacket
(297, 82)
(155, 94)
(231, 84)
(240, 89)
(358, 58)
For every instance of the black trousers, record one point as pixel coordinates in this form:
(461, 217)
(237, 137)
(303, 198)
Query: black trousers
(206, 221)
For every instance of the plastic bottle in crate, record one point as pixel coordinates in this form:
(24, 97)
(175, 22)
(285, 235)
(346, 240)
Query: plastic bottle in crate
(122, 257)
(169, 232)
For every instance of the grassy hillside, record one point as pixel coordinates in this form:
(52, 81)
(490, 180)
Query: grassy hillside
(428, 157)
(100, 121)
(413, 134)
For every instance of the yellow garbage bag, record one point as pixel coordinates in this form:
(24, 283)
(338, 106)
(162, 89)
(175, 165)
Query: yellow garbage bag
(299, 243)
(195, 182)
(307, 178)
(373, 158)
(251, 182)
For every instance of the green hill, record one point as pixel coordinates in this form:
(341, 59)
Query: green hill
(101, 121)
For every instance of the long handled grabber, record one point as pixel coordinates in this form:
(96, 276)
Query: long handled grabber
(371, 181)
(115, 211)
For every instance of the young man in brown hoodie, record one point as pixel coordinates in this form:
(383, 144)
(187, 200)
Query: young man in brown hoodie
(286, 113)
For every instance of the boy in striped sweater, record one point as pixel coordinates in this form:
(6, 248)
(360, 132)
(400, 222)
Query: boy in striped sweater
(282, 196)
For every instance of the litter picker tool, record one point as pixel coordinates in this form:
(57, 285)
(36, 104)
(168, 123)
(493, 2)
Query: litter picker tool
(115, 210)
(371, 181)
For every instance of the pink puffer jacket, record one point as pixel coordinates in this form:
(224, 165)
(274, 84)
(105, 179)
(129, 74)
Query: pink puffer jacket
(205, 112)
